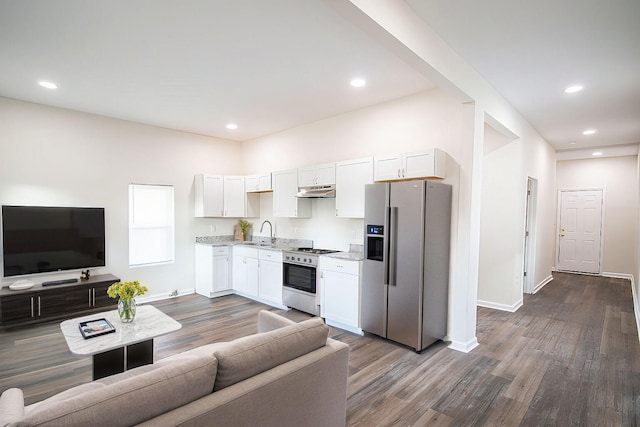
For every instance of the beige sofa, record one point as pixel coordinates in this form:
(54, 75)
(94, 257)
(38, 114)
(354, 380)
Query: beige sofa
(288, 374)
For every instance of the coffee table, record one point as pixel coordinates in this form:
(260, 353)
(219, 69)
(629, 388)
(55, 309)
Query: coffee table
(130, 346)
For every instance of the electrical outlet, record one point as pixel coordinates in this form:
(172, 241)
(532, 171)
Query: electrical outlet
(213, 228)
(174, 293)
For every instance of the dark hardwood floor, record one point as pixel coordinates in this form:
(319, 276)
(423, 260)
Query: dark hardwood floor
(569, 356)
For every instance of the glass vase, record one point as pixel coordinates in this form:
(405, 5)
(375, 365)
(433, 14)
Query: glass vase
(127, 309)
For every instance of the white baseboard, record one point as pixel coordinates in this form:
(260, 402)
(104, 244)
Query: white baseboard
(636, 303)
(159, 297)
(618, 276)
(504, 307)
(464, 347)
(541, 285)
(344, 327)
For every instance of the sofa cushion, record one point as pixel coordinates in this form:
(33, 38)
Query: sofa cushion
(133, 399)
(251, 355)
(11, 406)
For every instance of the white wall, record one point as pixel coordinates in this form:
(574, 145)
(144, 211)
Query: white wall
(57, 157)
(618, 176)
(426, 120)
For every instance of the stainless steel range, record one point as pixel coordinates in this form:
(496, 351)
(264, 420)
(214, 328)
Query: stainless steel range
(300, 279)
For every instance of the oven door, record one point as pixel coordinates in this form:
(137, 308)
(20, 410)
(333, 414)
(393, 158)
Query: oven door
(301, 277)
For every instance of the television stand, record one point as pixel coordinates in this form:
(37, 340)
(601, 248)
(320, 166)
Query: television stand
(59, 282)
(44, 303)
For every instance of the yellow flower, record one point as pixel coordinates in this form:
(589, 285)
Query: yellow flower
(126, 290)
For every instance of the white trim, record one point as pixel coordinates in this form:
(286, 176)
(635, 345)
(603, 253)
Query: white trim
(163, 296)
(636, 303)
(344, 327)
(464, 347)
(540, 285)
(503, 307)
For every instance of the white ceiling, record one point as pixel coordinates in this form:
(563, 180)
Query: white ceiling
(530, 51)
(195, 65)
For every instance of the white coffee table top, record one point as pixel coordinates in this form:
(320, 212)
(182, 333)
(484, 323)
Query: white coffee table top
(149, 323)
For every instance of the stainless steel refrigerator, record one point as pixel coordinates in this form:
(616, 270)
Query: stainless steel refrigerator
(406, 268)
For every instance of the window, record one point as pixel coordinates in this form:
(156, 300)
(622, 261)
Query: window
(151, 224)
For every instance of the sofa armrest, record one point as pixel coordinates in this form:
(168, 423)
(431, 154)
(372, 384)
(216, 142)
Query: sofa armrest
(11, 406)
(268, 321)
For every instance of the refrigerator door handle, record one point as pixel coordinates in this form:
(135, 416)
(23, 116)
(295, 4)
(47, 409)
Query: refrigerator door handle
(385, 247)
(393, 243)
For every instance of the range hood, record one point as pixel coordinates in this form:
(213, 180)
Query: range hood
(317, 192)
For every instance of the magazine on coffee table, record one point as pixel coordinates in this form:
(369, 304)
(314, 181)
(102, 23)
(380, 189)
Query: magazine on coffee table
(95, 328)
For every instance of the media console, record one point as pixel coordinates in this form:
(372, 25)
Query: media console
(44, 303)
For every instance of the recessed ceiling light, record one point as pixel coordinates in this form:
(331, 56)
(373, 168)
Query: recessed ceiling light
(589, 132)
(573, 89)
(572, 143)
(358, 82)
(597, 153)
(232, 126)
(48, 85)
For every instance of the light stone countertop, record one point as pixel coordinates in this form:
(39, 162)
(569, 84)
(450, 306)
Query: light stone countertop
(149, 323)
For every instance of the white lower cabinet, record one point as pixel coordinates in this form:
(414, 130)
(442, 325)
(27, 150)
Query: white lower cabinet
(270, 276)
(212, 270)
(257, 274)
(340, 292)
(245, 270)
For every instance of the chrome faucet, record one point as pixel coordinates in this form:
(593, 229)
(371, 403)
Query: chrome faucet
(273, 239)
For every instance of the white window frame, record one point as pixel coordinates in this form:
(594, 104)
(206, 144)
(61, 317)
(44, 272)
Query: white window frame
(151, 225)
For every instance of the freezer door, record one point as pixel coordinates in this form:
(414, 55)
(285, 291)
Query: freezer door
(373, 304)
(405, 281)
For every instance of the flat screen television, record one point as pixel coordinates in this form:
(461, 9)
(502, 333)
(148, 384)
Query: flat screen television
(43, 239)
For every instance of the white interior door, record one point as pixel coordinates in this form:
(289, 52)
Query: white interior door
(580, 231)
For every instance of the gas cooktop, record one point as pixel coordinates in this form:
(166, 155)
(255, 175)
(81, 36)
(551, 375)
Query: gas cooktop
(314, 251)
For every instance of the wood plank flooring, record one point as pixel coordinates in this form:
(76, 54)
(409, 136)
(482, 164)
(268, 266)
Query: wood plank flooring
(569, 356)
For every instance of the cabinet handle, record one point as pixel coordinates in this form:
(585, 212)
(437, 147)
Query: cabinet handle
(94, 296)
(398, 173)
(39, 306)
(89, 297)
(32, 308)
(403, 172)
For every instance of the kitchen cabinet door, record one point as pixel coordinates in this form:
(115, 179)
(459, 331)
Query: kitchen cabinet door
(258, 183)
(212, 270)
(422, 164)
(387, 168)
(234, 196)
(340, 293)
(209, 195)
(270, 280)
(340, 298)
(351, 177)
(221, 281)
(285, 202)
(245, 270)
(317, 175)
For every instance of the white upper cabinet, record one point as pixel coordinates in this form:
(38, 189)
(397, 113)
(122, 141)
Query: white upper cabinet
(424, 164)
(224, 196)
(324, 174)
(258, 183)
(285, 202)
(234, 196)
(209, 195)
(351, 177)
